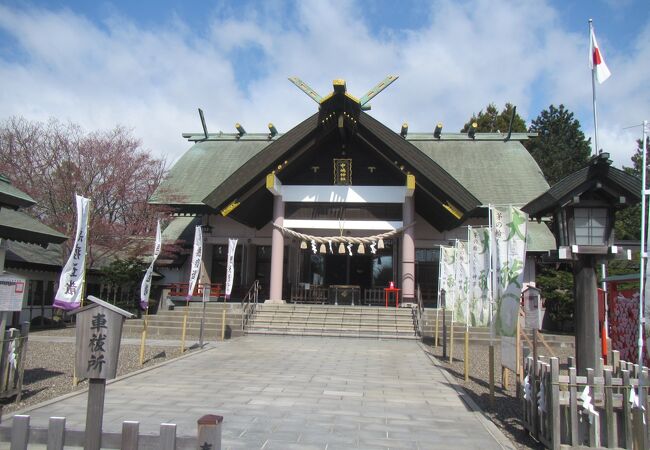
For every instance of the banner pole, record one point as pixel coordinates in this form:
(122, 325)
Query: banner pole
(440, 299)
(467, 297)
(223, 324)
(466, 354)
(435, 339)
(187, 309)
(491, 374)
(492, 287)
(451, 338)
(143, 338)
(518, 359)
(75, 380)
(643, 298)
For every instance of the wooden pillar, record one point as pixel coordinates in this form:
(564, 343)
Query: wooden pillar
(277, 251)
(95, 413)
(586, 313)
(408, 251)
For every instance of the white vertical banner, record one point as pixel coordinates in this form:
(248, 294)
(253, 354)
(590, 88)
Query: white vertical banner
(197, 254)
(479, 275)
(230, 271)
(145, 288)
(461, 311)
(447, 276)
(73, 275)
(509, 225)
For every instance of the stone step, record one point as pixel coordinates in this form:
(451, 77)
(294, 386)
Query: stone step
(335, 315)
(195, 313)
(331, 334)
(332, 320)
(339, 309)
(331, 329)
(171, 323)
(320, 320)
(329, 326)
(176, 332)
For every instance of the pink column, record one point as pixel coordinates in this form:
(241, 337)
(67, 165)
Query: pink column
(408, 251)
(277, 251)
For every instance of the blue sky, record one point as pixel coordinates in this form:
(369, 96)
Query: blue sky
(149, 64)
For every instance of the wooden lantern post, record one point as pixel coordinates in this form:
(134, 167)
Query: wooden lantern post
(98, 335)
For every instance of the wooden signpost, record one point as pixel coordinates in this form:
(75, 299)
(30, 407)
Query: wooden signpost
(98, 334)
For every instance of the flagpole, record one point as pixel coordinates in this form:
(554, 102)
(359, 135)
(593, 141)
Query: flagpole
(593, 93)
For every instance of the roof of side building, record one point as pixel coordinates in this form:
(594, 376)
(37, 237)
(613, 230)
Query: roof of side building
(13, 197)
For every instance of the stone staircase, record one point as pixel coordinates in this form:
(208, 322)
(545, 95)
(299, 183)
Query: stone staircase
(331, 320)
(481, 335)
(169, 324)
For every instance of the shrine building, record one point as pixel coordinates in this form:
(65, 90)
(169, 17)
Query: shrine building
(342, 174)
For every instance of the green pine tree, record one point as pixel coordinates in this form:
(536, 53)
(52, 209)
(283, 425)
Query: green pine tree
(492, 121)
(561, 147)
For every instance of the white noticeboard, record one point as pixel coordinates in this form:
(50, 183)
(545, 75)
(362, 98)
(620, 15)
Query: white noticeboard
(12, 292)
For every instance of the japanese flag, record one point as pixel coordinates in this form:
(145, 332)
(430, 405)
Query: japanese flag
(597, 61)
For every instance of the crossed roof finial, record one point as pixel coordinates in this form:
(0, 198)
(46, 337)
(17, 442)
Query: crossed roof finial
(340, 87)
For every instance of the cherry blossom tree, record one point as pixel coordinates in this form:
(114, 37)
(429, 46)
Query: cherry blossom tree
(52, 161)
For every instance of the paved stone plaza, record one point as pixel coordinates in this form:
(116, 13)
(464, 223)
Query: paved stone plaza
(298, 393)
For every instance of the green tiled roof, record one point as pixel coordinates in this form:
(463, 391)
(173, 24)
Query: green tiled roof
(20, 252)
(18, 226)
(204, 167)
(539, 238)
(495, 172)
(180, 228)
(12, 196)
(492, 170)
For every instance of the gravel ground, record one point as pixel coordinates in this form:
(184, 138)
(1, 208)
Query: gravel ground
(49, 367)
(507, 411)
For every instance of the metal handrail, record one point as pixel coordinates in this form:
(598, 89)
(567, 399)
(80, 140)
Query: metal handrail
(249, 304)
(417, 313)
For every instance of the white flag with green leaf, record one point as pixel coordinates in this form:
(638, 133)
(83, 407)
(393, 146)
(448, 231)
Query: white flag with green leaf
(509, 224)
(447, 276)
(461, 305)
(479, 276)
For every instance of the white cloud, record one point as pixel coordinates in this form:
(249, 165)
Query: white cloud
(152, 79)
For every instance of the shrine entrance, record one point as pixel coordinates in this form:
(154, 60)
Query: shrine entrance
(348, 270)
(325, 278)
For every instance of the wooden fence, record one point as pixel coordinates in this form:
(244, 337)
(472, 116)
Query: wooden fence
(12, 361)
(601, 410)
(55, 436)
